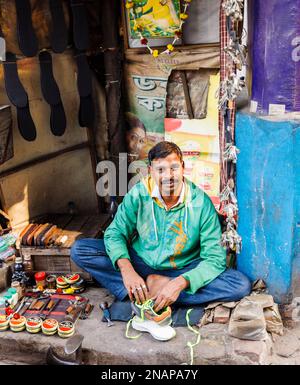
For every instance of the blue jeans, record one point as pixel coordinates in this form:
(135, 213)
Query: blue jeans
(90, 255)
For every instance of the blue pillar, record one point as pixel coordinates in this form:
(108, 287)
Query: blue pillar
(268, 192)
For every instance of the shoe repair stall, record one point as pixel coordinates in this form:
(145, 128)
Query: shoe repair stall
(86, 81)
(83, 82)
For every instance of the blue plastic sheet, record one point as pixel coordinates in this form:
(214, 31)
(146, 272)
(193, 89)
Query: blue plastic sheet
(276, 54)
(268, 192)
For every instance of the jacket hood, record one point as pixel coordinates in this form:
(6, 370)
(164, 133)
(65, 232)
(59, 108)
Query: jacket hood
(189, 194)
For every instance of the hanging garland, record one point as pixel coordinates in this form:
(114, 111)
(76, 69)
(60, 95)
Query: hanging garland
(131, 6)
(233, 57)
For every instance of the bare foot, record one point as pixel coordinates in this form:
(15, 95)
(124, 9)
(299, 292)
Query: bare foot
(155, 283)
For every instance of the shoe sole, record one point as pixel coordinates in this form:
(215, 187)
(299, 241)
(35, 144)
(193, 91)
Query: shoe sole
(140, 328)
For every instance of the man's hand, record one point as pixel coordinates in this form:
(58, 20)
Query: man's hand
(135, 285)
(170, 292)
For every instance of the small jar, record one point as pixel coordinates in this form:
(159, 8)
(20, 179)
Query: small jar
(14, 294)
(51, 281)
(18, 264)
(28, 264)
(40, 279)
(20, 290)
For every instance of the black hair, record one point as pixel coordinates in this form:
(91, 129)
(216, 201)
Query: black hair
(133, 121)
(163, 149)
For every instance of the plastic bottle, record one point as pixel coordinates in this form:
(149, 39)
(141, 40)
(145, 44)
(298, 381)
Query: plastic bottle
(8, 297)
(14, 294)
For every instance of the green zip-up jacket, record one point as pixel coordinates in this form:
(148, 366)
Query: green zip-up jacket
(169, 239)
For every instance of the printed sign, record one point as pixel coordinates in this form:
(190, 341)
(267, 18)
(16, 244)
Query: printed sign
(157, 18)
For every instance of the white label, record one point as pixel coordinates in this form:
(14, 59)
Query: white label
(276, 109)
(253, 106)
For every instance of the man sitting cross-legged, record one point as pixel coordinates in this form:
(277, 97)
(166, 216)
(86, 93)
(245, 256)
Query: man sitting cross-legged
(164, 242)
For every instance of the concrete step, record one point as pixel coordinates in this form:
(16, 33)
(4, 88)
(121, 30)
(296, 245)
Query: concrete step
(104, 345)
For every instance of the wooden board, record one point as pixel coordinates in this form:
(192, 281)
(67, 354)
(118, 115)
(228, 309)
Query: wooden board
(93, 226)
(73, 229)
(60, 220)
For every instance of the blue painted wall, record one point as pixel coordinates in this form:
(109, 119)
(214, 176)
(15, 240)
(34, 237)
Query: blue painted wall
(268, 191)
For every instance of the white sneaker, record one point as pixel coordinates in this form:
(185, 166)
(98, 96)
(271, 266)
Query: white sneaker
(161, 333)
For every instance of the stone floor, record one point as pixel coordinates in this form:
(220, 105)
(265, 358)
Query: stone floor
(108, 346)
(286, 349)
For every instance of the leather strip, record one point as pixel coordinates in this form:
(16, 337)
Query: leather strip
(31, 235)
(51, 94)
(86, 112)
(27, 39)
(42, 233)
(38, 232)
(59, 32)
(24, 231)
(18, 97)
(31, 228)
(57, 232)
(84, 85)
(84, 78)
(80, 25)
(47, 235)
(30, 231)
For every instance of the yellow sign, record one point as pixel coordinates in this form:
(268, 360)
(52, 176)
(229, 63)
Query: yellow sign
(157, 18)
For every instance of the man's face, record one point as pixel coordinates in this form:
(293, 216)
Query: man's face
(168, 174)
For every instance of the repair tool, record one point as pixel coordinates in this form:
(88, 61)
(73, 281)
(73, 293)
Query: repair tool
(45, 303)
(104, 307)
(86, 311)
(19, 305)
(26, 305)
(73, 314)
(50, 307)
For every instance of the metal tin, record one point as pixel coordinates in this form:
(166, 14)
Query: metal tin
(51, 281)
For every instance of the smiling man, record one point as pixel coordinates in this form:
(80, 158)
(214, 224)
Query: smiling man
(164, 242)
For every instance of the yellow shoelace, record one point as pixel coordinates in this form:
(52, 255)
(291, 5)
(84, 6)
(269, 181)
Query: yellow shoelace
(189, 344)
(147, 305)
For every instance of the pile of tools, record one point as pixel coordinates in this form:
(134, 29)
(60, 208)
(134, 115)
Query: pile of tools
(33, 312)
